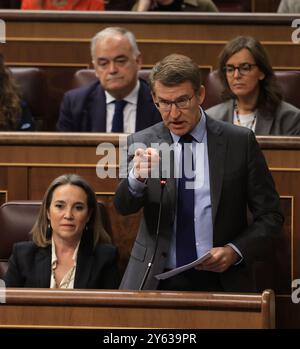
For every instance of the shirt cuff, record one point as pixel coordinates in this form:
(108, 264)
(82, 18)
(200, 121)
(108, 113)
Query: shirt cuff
(238, 252)
(135, 186)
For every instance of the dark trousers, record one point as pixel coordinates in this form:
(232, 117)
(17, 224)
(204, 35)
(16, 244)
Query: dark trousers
(193, 280)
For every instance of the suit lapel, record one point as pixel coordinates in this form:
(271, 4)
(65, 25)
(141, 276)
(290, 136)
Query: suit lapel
(97, 110)
(217, 148)
(170, 189)
(145, 108)
(229, 106)
(263, 123)
(83, 269)
(84, 264)
(217, 145)
(43, 267)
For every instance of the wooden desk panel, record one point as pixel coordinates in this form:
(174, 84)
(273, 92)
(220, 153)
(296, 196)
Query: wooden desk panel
(29, 308)
(30, 161)
(59, 43)
(34, 39)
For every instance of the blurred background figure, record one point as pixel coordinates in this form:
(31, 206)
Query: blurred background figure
(289, 6)
(70, 248)
(64, 5)
(175, 5)
(251, 92)
(10, 4)
(119, 5)
(14, 112)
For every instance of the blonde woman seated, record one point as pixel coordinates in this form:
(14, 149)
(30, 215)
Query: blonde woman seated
(251, 93)
(70, 248)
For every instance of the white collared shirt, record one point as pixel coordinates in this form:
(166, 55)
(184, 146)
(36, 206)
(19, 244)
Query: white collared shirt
(129, 110)
(69, 278)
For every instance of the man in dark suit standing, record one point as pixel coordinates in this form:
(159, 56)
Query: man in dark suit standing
(230, 175)
(118, 101)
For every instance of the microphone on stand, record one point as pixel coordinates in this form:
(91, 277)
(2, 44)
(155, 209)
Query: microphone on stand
(163, 182)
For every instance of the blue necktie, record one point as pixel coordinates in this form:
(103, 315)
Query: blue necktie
(117, 123)
(185, 229)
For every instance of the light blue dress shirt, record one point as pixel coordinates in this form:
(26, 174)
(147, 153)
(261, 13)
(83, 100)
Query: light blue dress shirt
(202, 208)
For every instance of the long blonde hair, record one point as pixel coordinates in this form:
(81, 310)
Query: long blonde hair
(41, 234)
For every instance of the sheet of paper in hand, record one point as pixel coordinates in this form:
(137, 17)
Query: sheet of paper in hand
(185, 267)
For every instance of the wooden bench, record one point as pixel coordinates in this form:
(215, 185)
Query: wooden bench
(29, 162)
(40, 308)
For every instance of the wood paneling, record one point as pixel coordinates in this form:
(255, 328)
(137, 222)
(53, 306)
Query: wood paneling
(60, 42)
(265, 6)
(35, 39)
(287, 313)
(30, 161)
(3, 196)
(25, 308)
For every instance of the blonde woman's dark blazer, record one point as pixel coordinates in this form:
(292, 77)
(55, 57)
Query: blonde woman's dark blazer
(30, 266)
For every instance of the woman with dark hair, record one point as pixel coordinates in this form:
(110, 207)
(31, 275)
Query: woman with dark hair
(250, 90)
(70, 248)
(14, 113)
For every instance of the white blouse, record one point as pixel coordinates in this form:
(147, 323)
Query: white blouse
(68, 279)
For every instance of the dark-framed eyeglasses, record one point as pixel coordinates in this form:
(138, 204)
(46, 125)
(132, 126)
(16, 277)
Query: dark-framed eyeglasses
(243, 68)
(180, 103)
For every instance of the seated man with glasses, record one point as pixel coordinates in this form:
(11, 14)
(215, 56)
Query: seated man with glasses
(251, 93)
(196, 217)
(118, 101)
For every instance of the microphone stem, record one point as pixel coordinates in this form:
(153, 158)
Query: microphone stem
(162, 183)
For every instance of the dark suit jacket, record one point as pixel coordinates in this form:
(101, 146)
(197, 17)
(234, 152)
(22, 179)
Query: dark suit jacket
(30, 266)
(26, 122)
(84, 109)
(239, 177)
(285, 121)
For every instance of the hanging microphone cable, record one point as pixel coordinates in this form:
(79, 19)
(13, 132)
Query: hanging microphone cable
(163, 183)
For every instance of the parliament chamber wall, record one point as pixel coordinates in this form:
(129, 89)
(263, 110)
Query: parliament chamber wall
(60, 46)
(59, 43)
(29, 162)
